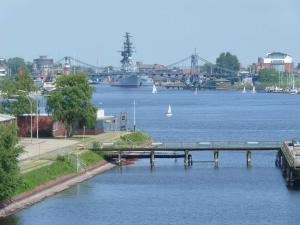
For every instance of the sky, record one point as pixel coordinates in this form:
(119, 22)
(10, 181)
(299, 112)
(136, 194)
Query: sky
(164, 31)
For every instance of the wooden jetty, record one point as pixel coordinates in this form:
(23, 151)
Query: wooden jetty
(287, 153)
(288, 160)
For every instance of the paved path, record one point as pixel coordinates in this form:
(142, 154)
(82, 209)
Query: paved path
(50, 147)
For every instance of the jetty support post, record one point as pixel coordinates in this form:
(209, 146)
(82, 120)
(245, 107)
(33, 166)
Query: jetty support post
(119, 158)
(216, 158)
(186, 158)
(175, 156)
(278, 160)
(248, 158)
(152, 158)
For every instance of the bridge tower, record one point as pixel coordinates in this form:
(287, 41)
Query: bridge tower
(67, 68)
(194, 73)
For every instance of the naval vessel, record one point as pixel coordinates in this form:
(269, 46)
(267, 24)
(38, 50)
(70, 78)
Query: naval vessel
(128, 76)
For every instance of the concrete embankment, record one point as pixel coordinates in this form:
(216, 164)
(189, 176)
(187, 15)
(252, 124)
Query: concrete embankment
(26, 199)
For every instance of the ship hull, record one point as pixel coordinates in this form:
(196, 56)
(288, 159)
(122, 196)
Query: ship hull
(132, 80)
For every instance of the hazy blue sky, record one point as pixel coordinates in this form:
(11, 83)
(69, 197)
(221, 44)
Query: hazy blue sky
(164, 30)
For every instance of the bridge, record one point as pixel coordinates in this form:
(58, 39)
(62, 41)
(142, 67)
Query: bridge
(188, 66)
(287, 153)
(171, 150)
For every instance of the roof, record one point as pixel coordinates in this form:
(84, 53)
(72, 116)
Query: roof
(5, 117)
(276, 55)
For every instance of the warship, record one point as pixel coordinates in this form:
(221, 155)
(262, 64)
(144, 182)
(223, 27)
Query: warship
(128, 75)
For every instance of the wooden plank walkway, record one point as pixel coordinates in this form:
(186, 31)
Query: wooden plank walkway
(197, 146)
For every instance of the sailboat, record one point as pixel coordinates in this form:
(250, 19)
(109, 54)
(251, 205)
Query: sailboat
(169, 113)
(244, 91)
(253, 90)
(154, 90)
(196, 91)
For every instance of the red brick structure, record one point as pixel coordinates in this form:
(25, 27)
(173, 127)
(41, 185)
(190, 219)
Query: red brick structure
(45, 125)
(47, 128)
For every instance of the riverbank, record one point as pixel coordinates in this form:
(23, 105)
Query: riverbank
(52, 187)
(64, 172)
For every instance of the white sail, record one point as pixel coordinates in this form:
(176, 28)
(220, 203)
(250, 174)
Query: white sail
(244, 91)
(253, 89)
(169, 113)
(196, 91)
(154, 90)
(169, 110)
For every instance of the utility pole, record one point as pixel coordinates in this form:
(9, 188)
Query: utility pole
(133, 115)
(37, 119)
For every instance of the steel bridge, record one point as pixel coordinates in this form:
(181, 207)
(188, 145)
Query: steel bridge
(191, 62)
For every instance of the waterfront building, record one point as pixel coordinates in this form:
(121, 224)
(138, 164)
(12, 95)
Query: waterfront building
(277, 60)
(6, 119)
(43, 68)
(3, 68)
(152, 68)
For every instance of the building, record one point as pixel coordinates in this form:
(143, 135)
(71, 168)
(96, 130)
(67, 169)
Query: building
(3, 68)
(7, 119)
(151, 68)
(48, 128)
(279, 61)
(43, 68)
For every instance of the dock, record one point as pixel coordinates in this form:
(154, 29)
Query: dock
(288, 160)
(287, 153)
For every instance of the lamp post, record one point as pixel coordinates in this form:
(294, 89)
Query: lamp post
(37, 119)
(30, 101)
(134, 116)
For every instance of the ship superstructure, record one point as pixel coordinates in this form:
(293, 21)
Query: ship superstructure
(128, 75)
(127, 63)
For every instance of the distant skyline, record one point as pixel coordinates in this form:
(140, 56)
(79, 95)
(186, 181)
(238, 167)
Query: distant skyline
(164, 31)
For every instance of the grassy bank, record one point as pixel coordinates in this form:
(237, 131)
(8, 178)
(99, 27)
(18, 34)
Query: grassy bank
(61, 166)
(136, 138)
(67, 164)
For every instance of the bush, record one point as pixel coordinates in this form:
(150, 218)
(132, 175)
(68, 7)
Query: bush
(9, 170)
(96, 146)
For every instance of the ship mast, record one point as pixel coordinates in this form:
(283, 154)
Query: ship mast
(127, 63)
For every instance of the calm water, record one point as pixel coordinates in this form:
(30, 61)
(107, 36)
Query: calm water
(171, 194)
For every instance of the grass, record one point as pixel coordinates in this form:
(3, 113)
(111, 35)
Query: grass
(42, 175)
(64, 165)
(136, 138)
(61, 166)
(90, 158)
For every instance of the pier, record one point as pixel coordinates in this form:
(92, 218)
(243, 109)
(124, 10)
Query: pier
(287, 153)
(288, 160)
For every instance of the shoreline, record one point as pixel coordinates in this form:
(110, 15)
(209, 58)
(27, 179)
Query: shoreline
(60, 184)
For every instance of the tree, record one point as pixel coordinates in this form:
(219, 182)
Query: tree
(15, 64)
(15, 93)
(207, 68)
(228, 61)
(268, 75)
(70, 103)
(9, 170)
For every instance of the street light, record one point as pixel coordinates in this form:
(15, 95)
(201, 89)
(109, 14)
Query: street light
(30, 101)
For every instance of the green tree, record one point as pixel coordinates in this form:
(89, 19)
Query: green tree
(9, 170)
(268, 75)
(15, 93)
(15, 64)
(228, 61)
(70, 103)
(207, 68)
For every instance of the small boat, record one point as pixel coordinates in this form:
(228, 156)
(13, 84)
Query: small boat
(253, 90)
(154, 90)
(244, 91)
(169, 113)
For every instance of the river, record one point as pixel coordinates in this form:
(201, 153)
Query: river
(171, 194)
